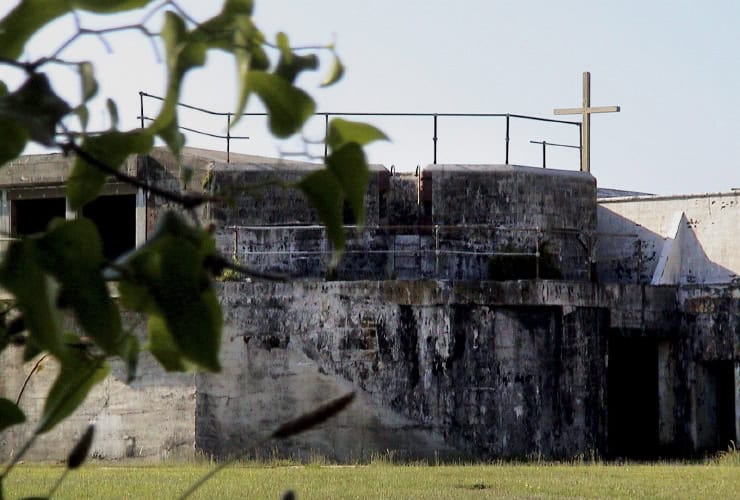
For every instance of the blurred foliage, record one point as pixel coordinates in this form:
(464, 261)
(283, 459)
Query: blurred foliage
(170, 277)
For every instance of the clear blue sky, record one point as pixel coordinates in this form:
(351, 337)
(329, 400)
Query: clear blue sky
(673, 67)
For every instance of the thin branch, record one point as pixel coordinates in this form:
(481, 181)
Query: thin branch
(100, 34)
(187, 200)
(25, 66)
(58, 483)
(300, 47)
(218, 262)
(28, 377)
(29, 442)
(147, 17)
(302, 423)
(175, 6)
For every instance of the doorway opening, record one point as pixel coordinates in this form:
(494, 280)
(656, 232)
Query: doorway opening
(716, 412)
(115, 218)
(632, 396)
(32, 215)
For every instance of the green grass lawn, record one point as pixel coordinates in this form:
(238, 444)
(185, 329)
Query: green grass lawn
(709, 480)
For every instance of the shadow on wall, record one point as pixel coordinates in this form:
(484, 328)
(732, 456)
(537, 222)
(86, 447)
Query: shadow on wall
(627, 252)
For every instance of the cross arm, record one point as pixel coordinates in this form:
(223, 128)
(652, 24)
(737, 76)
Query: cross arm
(593, 109)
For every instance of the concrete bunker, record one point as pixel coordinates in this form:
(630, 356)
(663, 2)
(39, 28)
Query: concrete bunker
(443, 359)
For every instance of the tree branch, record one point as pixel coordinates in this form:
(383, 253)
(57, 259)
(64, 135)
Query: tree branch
(187, 200)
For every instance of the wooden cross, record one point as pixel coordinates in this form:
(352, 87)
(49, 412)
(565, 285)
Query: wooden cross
(586, 111)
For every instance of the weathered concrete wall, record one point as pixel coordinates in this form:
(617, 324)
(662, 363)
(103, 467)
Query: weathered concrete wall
(501, 369)
(510, 195)
(494, 369)
(700, 368)
(634, 233)
(478, 212)
(153, 418)
(403, 202)
(274, 204)
(520, 209)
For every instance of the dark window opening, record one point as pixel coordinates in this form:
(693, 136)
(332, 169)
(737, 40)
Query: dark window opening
(633, 397)
(115, 218)
(32, 216)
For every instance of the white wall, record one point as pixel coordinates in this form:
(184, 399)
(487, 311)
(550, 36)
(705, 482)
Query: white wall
(707, 235)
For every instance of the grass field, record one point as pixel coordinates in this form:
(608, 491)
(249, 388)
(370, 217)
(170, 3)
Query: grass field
(384, 480)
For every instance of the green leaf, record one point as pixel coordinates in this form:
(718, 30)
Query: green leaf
(244, 33)
(87, 81)
(113, 112)
(281, 40)
(36, 107)
(128, 349)
(72, 252)
(289, 68)
(336, 73)
(325, 194)
(4, 337)
(30, 350)
(167, 277)
(86, 180)
(192, 314)
(162, 347)
(10, 414)
(24, 21)
(349, 166)
(343, 131)
(171, 135)
(14, 139)
(21, 274)
(79, 453)
(288, 107)
(83, 114)
(70, 389)
(184, 52)
(291, 65)
(109, 6)
(136, 297)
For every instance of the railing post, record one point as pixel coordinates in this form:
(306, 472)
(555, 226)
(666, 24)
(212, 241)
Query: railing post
(436, 251)
(537, 255)
(434, 139)
(544, 154)
(639, 260)
(326, 133)
(507, 137)
(580, 144)
(141, 107)
(228, 136)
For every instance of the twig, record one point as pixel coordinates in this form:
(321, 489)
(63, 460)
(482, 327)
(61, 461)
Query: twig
(300, 424)
(28, 377)
(58, 483)
(187, 200)
(29, 442)
(220, 263)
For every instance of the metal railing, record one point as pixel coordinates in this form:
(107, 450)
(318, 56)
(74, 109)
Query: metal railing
(405, 251)
(435, 118)
(544, 149)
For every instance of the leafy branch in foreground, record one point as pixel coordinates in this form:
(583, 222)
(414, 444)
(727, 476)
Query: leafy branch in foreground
(300, 424)
(169, 279)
